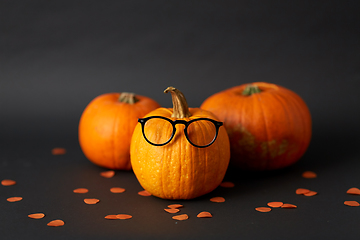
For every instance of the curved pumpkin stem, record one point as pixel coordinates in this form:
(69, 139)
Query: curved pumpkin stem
(250, 89)
(180, 106)
(128, 98)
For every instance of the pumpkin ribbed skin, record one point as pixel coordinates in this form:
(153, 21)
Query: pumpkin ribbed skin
(267, 130)
(106, 127)
(179, 170)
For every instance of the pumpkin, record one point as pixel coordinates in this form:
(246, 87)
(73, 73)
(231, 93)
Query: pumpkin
(269, 126)
(178, 169)
(106, 127)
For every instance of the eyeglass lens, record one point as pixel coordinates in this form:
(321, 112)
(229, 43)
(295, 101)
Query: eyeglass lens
(160, 131)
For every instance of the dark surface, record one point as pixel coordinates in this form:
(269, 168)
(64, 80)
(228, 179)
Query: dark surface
(56, 57)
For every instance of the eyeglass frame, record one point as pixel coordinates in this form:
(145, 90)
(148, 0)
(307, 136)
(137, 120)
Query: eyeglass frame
(217, 125)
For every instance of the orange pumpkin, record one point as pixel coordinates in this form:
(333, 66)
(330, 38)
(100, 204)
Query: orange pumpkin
(106, 127)
(268, 125)
(177, 169)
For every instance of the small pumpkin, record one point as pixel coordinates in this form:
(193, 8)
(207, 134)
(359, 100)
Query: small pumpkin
(177, 169)
(269, 126)
(106, 127)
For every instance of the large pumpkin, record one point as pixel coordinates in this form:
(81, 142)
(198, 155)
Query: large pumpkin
(177, 169)
(269, 126)
(106, 127)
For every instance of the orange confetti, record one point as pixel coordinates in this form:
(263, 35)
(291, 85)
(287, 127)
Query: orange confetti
(309, 174)
(263, 209)
(275, 204)
(353, 191)
(81, 190)
(352, 203)
(175, 206)
(288, 205)
(227, 184)
(58, 151)
(172, 210)
(180, 217)
(56, 223)
(301, 191)
(91, 200)
(14, 199)
(108, 174)
(8, 182)
(123, 216)
(111, 217)
(144, 193)
(36, 215)
(117, 190)
(217, 199)
(204, 215)
(310, 193)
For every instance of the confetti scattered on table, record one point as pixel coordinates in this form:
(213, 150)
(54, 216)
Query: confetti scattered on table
(180, 217)
(117, 190)
(310, 193)
(36, 215)
(263, 209)
(309, 174)
(8, 182)
(107, 174)
(288, 205)
(275, 204)
(217, 199)
(172, 210)
(353, 191)
(144, 193)
(227, 184)
(176, 205)
(123, 216)
(91, 200)
(301, 191)
(14, 199)
(81, 190)
(58, 151)
(56, 223)
(352, 203)
(204, 215)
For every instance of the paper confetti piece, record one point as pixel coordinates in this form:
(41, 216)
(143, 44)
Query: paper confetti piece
(80, 190)
(91, 200)
(204, 215)
(14, 199)
(172, 210)
(309, 174)
(36, 215)
(56, 223)
(217, 199)
(180, 217)
(144, 193)
(117, 190)
(8, 182)
(352, 203)
(123, 216)
(353, 191)
(263, 209)
(275, 204)
(107, 174)
(227, 184)
(58, 151)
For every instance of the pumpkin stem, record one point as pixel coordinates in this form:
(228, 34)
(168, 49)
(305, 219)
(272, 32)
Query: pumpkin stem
(250, 89)
(128, 98)
(180, 106)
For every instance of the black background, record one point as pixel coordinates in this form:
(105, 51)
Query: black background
(56, 56)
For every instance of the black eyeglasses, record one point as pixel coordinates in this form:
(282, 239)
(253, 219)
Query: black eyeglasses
(159, 131)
